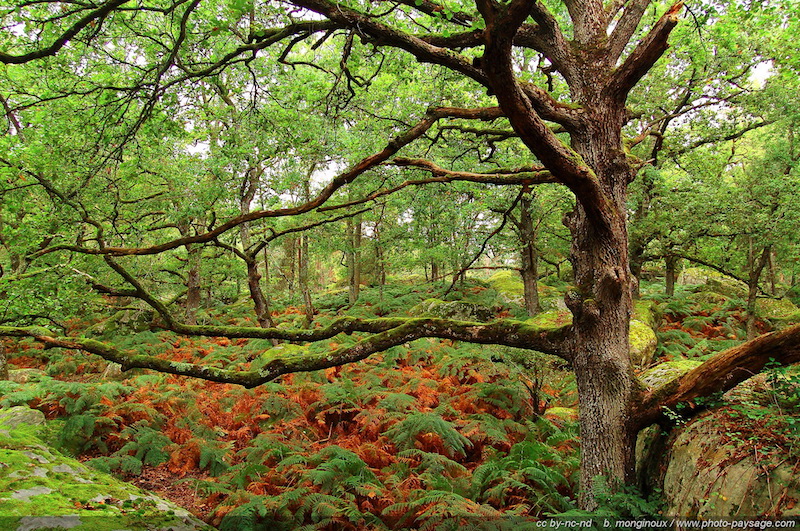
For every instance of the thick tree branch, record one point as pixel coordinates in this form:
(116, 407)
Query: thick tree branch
(555, 341)
(644, 56)
(92, 17)
(722, 372)
(625, 27)
(565, 165)
(381, 34)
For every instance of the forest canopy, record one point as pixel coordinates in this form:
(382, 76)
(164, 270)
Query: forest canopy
(195, 157)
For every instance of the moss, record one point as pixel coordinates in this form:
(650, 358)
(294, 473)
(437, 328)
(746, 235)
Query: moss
(549, 320)
(647, 312)
(642, 343)
(507, 283)
(561, 413)
(38, 485)
(665, 373)
(778, 309)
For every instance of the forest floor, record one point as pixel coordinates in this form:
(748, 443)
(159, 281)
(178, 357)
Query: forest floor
(421, 436)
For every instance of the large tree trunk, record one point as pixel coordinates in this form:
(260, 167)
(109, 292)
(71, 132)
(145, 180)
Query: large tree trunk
(601, 308)
(601, 312)
(353, 259)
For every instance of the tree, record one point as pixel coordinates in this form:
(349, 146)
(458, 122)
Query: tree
(560, 73)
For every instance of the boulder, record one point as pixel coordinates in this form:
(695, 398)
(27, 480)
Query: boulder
(781, 312)
(665, 373)
(24, 375)
(647, 312)
(642, 343)
(508, 285)
(458, 310)
(124, 321)
(42, 489)
(713, 471)
(16, 416)
(713, 281)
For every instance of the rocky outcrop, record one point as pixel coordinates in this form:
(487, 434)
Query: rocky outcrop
(42, 489)
(713, 470)
(728, 462)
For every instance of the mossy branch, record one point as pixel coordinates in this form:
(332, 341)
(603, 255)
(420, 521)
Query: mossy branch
(387, 333)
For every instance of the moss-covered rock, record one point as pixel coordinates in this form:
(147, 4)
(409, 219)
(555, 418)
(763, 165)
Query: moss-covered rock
(552, 319)
(647, 312)
(664, 373)
(508, 285)
(124, 321)
(17, 416)
(710, 475)
(24, 375)
(42, 489)
(458, 310)
(779, 311)
(642, 343)
(713, 281)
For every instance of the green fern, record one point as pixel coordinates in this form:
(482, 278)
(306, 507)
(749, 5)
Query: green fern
(404, 434)
(147, 445)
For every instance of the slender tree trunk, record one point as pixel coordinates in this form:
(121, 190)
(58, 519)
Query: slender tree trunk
(260, 302)
(530, 257)
(3, 362)
(290, 263)
(305, 290)
(670, 275)
(353, 230)
(193, 292)
(756, 267)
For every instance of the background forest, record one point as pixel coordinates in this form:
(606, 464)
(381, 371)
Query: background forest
(347, 286)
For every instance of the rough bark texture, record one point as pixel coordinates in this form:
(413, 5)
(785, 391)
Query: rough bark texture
(192, 283)
(670, 275)
(756, 267)
(530, 257)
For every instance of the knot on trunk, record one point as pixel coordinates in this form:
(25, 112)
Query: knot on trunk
(612, 283)
(582, 307)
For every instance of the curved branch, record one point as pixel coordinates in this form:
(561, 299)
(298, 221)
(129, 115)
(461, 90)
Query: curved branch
(644, 56)
(98, 14)
(431, 117)
(555, 341)
(722, 372)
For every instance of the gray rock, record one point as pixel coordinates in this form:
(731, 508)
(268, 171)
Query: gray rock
(24, 375)
(707, 477)
(27, 494)
(32, 523)
(16, 416)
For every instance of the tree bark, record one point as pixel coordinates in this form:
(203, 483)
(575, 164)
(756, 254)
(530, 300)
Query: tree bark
(530, 257)
(670, 275)
(3, 362)
(193, 291)
(756, 267)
